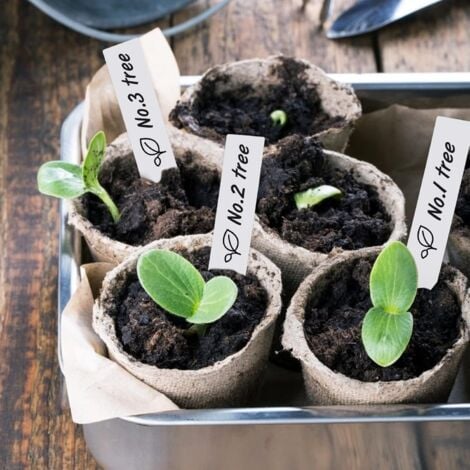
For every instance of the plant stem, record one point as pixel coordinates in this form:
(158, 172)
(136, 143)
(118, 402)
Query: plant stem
(108, 202)
(199, 330)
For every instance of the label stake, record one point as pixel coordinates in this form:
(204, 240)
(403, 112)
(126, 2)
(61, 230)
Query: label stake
(140, 110)
(237, 202)
(438, 197)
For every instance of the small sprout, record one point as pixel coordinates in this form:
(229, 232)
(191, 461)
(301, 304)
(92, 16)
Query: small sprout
(388, 325)
(68, 181)
(177, 286)
(313, 196)
(278, 117)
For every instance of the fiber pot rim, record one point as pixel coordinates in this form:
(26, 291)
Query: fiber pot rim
(458, 247)
(366, 173)
(294, 339)
(345, 99)
(104, 325)
(101, 243)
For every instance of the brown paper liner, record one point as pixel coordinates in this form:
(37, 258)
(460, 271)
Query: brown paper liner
(337, 99)
(229, 382)
(297, 262)
(326, 387)
(102, 247)
(98, 389)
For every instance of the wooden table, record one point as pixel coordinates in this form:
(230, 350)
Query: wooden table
(44, 69)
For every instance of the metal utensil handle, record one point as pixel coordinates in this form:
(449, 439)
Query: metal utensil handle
(115, 37)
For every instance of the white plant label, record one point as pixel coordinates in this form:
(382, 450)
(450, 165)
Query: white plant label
(237, 203)
(438, 197)
(140, 110)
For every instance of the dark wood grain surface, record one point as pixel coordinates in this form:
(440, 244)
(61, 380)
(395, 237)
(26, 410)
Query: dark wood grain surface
(44, 69)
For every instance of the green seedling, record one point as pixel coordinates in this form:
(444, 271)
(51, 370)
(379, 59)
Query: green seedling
(278, 117)
(177, 286)
(388, 325)
(313, 196)
(69, 181)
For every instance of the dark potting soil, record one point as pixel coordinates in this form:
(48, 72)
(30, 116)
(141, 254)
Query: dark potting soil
(182, 203)
(356, 220)
(244, 110)
(155, 337)
(333, 327)
(462, 210)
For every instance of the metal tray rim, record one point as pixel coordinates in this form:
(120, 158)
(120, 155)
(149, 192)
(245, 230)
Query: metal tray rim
(69, 276)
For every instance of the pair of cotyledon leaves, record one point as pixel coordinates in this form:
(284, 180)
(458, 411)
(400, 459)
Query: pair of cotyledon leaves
(179, 288)
(388, 325)
(68, 180)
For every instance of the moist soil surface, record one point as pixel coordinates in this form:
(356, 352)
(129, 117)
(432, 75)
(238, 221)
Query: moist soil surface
(355, 220)
(246, 109)
(333, 327)
(155, 337)
(182, 203)
(462, 210)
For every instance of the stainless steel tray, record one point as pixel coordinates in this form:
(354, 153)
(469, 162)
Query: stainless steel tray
(128, 441)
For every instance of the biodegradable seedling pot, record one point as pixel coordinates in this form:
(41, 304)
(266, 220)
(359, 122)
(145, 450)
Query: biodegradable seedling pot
(295, 261)
(228, 382)
(303, 89)
(458, 248)
(119, 154)
(326, 386)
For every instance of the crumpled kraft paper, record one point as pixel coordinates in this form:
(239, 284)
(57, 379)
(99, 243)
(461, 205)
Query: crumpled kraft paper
(98, 388)
(396, 140)
(102, 112)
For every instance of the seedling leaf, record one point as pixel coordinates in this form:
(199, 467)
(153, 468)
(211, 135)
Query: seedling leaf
(90, 171)
(278, 117)
(220, 294)
(171, 281)
(93, 160)
(60, 179)
(385, 336)
(313, 196)
(68, 181)
(394, 279)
